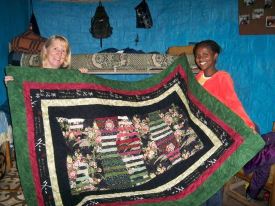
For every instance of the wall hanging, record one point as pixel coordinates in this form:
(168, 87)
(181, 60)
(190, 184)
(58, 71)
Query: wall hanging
(33, 22)
(256, 17)
(100, 25)
(143, 16)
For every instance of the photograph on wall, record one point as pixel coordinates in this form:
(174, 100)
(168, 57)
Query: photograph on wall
(257, 13)
(249, 2)
(268, 4)
(244, 19)
(270, 21)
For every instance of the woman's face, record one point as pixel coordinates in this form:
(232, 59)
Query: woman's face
(56, 54)
(205, 58)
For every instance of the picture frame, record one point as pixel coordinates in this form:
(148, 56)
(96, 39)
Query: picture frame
(270, 21)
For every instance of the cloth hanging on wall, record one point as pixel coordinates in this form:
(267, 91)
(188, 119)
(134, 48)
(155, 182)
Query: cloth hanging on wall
(34, 25)
(143, 16)
(33, 22)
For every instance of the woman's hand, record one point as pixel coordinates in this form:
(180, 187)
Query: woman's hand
(83, 70)
(254, 130)
(8, 78)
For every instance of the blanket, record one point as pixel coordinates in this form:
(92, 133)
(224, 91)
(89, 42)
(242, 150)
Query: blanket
(116, 62)
(108, 62)
(84, 140)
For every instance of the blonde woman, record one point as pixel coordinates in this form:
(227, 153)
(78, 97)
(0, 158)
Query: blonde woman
(55, 54)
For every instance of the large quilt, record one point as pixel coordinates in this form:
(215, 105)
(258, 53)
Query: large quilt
(84, 140)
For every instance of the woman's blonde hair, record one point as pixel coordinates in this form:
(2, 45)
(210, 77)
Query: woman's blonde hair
(43, 54)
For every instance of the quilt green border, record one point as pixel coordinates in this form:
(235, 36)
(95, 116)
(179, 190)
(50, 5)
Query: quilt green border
(252, 144)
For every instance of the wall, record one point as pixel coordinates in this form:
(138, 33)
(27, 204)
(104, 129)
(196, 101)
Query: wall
(249, 59)
(14, 17)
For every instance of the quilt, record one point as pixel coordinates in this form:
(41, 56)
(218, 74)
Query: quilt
(84, 140)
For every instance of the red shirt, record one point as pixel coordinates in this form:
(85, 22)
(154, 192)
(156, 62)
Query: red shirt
(221, 86)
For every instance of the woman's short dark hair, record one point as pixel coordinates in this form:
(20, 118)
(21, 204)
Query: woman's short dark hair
(214, 46)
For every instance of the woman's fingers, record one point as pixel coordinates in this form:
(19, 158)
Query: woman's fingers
(83, 70)
(8, 78)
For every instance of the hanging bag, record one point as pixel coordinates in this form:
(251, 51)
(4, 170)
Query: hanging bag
(100, 25)
(143, 16)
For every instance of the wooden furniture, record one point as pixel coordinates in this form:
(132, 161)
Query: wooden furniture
(8, 156)
(269, 186)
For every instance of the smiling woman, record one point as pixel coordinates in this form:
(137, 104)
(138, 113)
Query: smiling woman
(56, 53)
(218, 83)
